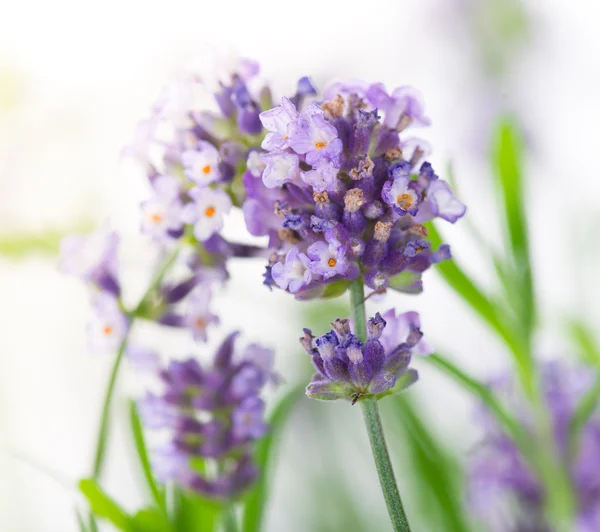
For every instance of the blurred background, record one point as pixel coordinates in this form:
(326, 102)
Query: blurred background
(75, 78)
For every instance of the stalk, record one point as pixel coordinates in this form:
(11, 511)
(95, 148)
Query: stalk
(102, 438)
(374, 427)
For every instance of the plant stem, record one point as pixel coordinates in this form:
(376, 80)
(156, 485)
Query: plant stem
(384, 465)
(103, 429)
(108, 396)
(357, 299)
(373, 424)
(229, 519)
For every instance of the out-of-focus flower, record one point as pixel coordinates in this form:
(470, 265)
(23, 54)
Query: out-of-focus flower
(213, 413)
(348, 368)
(504, 490)
(108, 325)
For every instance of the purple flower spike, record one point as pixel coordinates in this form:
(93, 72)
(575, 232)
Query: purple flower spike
(499, 475)
(350, 369)
(294, 273)
(327, 258)
(214, 414)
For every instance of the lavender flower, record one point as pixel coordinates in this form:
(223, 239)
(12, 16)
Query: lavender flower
(500, 479)
(340, 187)
(161, 215)
(108, 326)
(213, 413)
(348, 368)
(207, 212)
(92, 258)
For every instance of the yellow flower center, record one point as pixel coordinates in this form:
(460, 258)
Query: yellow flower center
(156, 217)
(200, 323)
(320, 145)
(332, 262)
(206, 169)
(210, 211)
(107, 331)
(404, 201)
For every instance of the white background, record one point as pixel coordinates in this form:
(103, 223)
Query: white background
(75, 77)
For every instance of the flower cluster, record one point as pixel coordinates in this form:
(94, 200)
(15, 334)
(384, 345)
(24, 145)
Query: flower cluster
(348, 368)
(340, 195)
(211, 414)
(93, 258)
(500, 479)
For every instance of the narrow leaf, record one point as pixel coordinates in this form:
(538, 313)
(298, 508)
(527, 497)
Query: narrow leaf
(193, 512)
(105, 507)
(436, 476)
(483, 393)
(507, 163)
(583, 412)
(81, 522)
(150, 520)
(586, 344)
(472, 294)
(256, 499)
(142, 452)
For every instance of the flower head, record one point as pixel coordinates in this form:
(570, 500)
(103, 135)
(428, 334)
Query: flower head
(214, 413)
(348, 368)
(501, 478)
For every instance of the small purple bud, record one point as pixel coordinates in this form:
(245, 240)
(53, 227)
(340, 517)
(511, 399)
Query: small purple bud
(374, 355)
(326, 390)
(355, 222)
(336, 369)
(376, 280)
(375, 326)
(326, 345)
(353, 347)
(374, 210)
(341, 327)
(356, 246)
(224, 354)
(306, 341)
(374, 252)
(382, 383)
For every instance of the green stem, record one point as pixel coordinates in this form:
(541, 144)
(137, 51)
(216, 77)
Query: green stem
(103, 429)
(108, 396)
(384, 465)
(229, 519)
(357, 299)
(373, 424)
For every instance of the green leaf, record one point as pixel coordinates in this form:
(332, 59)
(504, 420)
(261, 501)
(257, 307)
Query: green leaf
(142, 452)
(583, 337)
(507, 164)
(335, 289)
(583, 412)
(406, 282)
(81, 522)
(18, 246)
(193, 512)
(436, 481)
(468, 290)
(104, 507)
(256, 499)
(150, 520)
